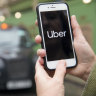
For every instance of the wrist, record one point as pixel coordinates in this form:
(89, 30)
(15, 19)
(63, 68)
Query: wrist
(88, 69)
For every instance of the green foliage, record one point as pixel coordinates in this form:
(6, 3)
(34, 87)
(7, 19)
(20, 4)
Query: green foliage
(41, 1)
(21, 6)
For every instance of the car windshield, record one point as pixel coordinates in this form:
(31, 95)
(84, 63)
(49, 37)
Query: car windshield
(10, 38)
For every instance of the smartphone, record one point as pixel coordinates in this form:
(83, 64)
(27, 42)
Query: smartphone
(56, 32)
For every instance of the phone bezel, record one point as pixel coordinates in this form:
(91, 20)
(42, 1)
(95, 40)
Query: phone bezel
(54, 7)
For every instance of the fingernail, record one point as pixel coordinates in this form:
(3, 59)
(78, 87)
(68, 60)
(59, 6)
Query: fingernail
(74, 16)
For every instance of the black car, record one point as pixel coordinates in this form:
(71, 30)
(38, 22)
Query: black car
(17, 59)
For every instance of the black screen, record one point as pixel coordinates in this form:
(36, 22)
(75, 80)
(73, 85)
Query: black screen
(57, 35)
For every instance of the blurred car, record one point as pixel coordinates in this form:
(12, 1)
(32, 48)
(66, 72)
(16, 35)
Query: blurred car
(17, 59)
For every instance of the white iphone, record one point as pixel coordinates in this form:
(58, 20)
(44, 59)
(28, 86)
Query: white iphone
(56, 32)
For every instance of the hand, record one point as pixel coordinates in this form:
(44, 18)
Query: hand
(85, 55)
(45, 85)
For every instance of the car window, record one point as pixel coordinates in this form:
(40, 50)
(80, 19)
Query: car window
(8, 38)
(14, 37)
(24, 38)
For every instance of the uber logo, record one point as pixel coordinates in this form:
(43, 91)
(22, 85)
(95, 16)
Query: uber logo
(56, 34)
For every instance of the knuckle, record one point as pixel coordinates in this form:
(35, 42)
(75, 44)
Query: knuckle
(38, 52)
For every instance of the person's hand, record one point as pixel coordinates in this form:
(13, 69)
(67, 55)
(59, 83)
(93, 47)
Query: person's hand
(85, 55)
(47, 86)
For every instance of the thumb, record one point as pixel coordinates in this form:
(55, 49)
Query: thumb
(60, 70)
(76, 27)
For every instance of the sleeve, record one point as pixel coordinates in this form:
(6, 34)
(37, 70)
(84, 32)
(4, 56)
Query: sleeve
(90, 87)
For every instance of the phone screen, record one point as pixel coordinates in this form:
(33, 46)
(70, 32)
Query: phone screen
(57, 35)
